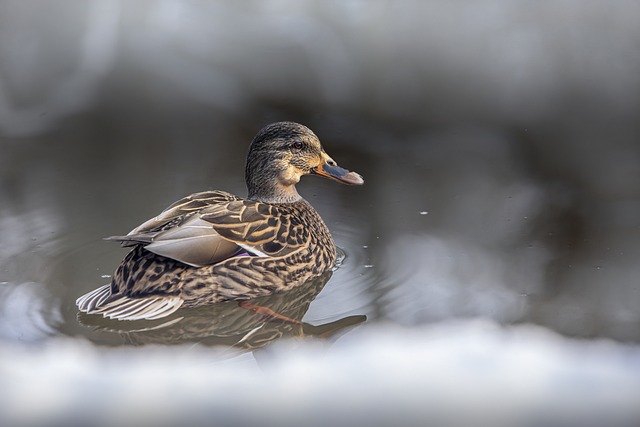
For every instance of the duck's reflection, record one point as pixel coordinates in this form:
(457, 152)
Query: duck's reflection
(245, 325)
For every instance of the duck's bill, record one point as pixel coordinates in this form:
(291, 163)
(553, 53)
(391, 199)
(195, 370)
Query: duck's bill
(339, 174)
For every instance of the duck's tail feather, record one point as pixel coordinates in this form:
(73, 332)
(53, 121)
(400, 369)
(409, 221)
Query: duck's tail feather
(89, 301)
(120, 307)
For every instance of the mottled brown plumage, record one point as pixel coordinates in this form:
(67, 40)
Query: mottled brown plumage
(214, 246)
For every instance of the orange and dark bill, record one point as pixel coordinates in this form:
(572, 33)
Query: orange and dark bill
(339, 174)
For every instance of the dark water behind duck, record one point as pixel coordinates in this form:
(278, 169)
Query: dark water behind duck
(499, 146)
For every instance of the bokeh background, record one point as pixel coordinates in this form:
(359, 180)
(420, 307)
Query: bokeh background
(499, 141)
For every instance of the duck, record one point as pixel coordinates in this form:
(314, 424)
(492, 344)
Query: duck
(214, 246)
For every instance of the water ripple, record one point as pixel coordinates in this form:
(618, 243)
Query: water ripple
(26, 312)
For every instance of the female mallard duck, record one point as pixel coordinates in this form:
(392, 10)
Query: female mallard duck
(214, 246)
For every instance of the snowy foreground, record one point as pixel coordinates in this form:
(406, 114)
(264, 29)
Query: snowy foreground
(466, 373)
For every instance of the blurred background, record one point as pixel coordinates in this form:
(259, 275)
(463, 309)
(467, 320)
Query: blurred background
(499, 141)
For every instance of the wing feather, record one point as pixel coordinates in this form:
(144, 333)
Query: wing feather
(194, 243)
(178, 232)
(260, 228)
(208, 227)
(182, 210)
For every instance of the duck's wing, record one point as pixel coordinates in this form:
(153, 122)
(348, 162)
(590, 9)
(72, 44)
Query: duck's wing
(179, 232)
(259, 228)
(179, 212)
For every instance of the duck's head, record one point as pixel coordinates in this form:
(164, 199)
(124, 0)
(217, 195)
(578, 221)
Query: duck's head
(280, 154)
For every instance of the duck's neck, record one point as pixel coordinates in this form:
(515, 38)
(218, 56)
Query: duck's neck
(269, 184)
(287, 194)
(270, 189)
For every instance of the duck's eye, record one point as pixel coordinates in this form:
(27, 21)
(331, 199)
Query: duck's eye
(297, 145)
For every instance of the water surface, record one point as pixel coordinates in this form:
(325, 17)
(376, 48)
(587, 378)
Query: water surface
(453, 225)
